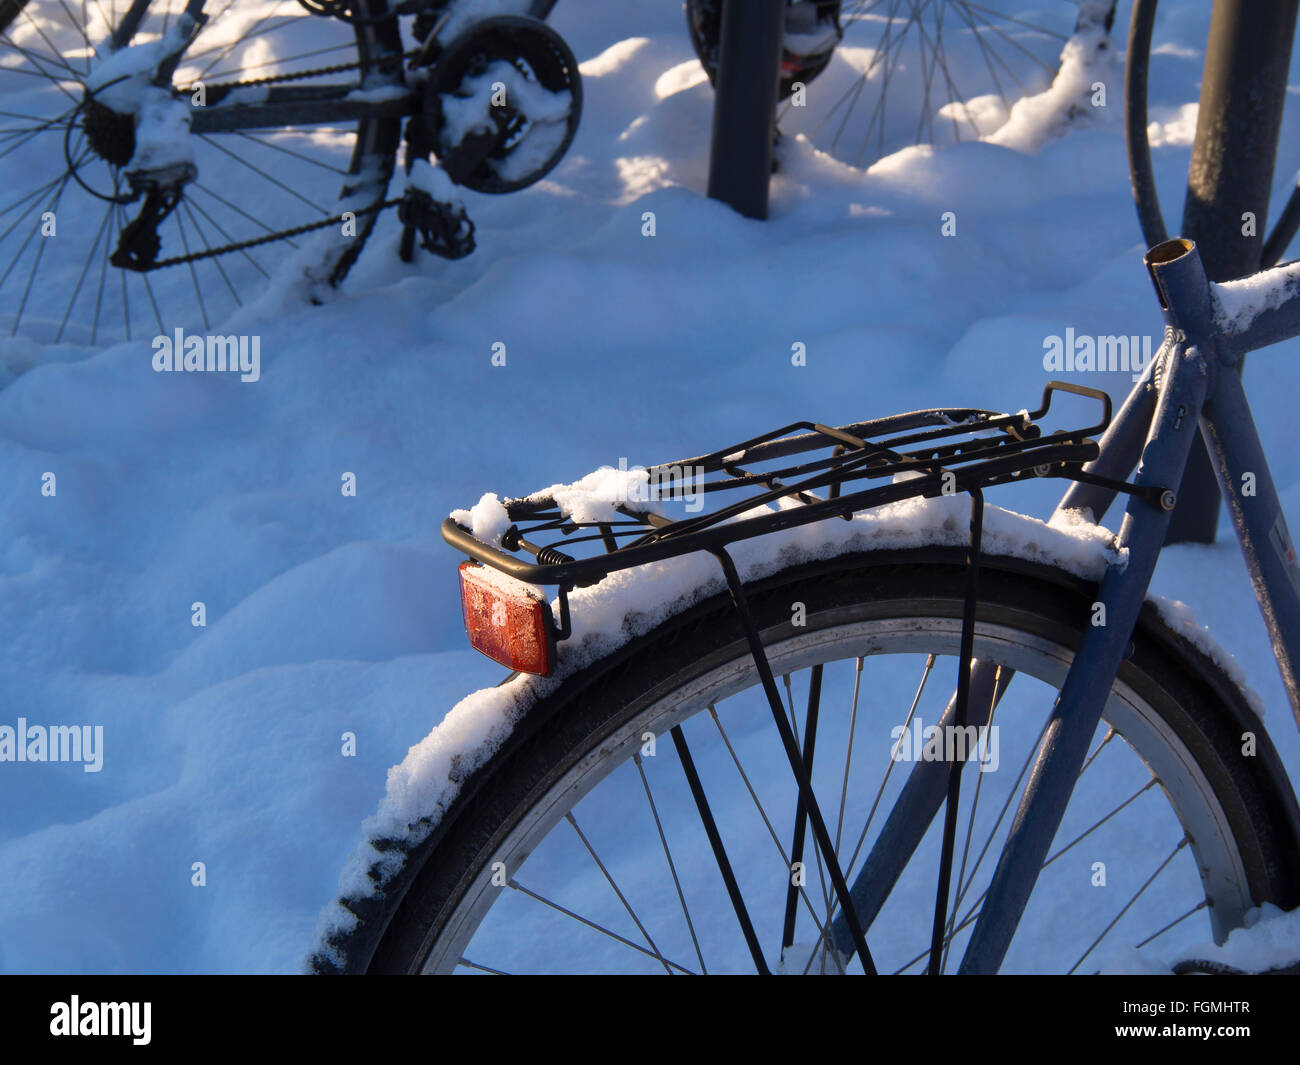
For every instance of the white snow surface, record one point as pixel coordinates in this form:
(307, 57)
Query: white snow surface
(331, 616)
(1088, 63)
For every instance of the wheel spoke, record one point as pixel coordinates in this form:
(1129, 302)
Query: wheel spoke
(621, 897)
(216, 260)
(794, 727)
(194, 274)
(99, 234)
(262, 173)
(126, 308)
(889, 768)
(672, 867)
(970, 825)
(36, 265)
(238, 210)
(190, 201)
(591, 924)
(1203, 904)
(1136, 895)
(481, 968)
(282, 61)
(265, 26)
(719, 851)
(289, 151)
(776, 841)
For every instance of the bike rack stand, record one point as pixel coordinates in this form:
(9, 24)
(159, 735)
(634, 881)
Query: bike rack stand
(744, 108)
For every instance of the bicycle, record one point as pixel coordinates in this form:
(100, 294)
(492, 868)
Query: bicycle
(523, 833)
(227, 134)
(257, 117)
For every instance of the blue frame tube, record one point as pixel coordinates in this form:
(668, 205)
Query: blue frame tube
(1087, 685)
(1199, 385)
(1188, 370)
(1261, 528)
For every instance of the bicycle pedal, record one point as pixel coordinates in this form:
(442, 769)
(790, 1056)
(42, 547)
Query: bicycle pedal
(445, 229)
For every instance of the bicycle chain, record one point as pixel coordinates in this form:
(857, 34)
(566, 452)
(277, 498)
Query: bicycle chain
(284, 234)
(271, 238)
(314, 72)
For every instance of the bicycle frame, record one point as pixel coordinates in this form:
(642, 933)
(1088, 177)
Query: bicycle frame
(1199, 373)
(294, 105)
(282, 105)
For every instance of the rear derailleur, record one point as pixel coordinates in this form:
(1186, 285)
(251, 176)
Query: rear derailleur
(162, 189)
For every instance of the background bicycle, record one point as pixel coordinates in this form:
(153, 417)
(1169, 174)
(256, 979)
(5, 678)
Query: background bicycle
(933, 73)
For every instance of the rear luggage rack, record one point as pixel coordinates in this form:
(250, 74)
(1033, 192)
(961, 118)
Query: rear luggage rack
(939, 452)
(946, 451)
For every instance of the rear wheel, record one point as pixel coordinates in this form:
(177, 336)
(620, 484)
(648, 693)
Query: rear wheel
(579, 847)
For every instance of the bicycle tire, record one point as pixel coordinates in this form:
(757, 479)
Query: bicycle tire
(1203, 711)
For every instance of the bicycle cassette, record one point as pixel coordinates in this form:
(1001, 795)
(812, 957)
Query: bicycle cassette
(502, 104)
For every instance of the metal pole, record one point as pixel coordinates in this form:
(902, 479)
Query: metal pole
(1231, 174)
(744, 107)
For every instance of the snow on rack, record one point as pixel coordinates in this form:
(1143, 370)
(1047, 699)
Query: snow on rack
(630, 603)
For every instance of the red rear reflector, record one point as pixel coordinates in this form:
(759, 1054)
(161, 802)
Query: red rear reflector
(506, 621)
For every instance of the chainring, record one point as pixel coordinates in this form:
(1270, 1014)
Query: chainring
(478, 98)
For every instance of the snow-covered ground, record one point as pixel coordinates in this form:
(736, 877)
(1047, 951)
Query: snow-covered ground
(330, 613)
